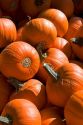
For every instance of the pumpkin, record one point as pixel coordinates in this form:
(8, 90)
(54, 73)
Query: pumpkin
(81, 31)
(63, 45)
(77, 47)
(32, 90)
(9, 5)
(50, 116)
(43, 30)
(79, 63)
(7, 32)
(63, 83)
(74, 27)
(74, 109)
(58, 18)
(20, 112)
(53, 57)
(19, 60)
(60, 4)
(5, 91)
(34, 7)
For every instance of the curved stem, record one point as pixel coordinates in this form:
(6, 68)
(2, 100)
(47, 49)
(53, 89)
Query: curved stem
(77, 40)
(54, 74)
(6, 120)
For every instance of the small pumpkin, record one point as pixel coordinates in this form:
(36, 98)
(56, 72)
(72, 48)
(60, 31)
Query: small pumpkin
(34, 7)
(8, 32)
(51, 116)
(63, 83)
(53, 57)
(43, 30)
(60, 4)
(32, 90)
(58, 18)
(20, 112)
(74, 109)
(77, 47)
(74, 27)
(19, 60)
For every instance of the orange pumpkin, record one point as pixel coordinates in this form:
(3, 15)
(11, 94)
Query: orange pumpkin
(34, 7)
(55, 58)
(19, 60)
(43, 30)
(63, 83)
(73, 110)
(58, 18)
(79, 63)
(7, 32)
(50, 116)
(74, 27)
(32, 90)
(66, 6)
(20, 112)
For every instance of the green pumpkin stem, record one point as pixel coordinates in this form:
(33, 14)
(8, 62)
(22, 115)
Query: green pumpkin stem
(39, 2)
(54, 74)
(77, 40)
(6, 120)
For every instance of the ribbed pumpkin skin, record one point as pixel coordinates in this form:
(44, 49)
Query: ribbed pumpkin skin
(5, 92)
(19, 60)
(42, 30)
(58, 18)
(74, 27)
(55, 58)
(50, 116)
(32, 9)
(60, 4)
(74, 109)
(34, 91)
(7, 32)
(70, 81)
(22, 112)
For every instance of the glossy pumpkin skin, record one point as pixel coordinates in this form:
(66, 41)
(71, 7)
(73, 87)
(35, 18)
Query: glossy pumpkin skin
(43, 30)
(70, 80)
(9, 5)
(34, 91)
(55, 58)
(19, 60)
(63, 45)
(60, 4)
(5, 92)
(34, 7)
(74, 27)
(22, 112)
(74, 109)
(50, 116)
(7, 32)
(58, 18)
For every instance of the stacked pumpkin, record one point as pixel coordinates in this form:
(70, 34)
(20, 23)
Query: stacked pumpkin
(41, 62)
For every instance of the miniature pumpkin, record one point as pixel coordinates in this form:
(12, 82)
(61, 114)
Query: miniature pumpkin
(58, 18)
(19, 60)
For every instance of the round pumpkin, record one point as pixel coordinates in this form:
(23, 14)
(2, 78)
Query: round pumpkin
(20, 112)
(43, 30)
(74, 109)
(50, 116)
(34, 7)
(66, 6)
(53, 57)
(8, 32)
(32, 90)
(58, 18)
(63, 83)
(19, 60)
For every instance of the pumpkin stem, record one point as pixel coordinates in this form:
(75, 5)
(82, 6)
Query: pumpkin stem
(54, 74)
(6, 120)
(26, 62)
(39, 2)
(77, 40)
(16, 83)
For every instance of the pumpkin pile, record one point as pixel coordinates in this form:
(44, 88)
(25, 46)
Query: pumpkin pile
(41, 62)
